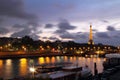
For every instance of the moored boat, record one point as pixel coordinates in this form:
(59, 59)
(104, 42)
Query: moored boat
(112, 60)
(43, 68)
(72, 72)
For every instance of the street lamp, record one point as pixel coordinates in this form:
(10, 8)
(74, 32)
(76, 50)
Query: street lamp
(32, 70)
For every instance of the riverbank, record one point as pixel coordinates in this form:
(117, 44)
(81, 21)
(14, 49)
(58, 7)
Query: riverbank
(5, 55)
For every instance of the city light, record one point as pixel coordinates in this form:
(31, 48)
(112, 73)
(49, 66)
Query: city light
(32, 69)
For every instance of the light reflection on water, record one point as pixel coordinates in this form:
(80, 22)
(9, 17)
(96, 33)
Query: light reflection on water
(53, 60)
(41, 60)
(23, 67)
(1, 66)
(19, 67)
(47, 59)
(8, 68)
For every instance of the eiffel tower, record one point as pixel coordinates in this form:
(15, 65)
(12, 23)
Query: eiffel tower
(91, 42)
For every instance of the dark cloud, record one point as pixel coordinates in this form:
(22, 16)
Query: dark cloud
(82, 36)
(33, 23)
(13, 12)
(34, 36)
(94, 30)
(3, 30)
(110, 28)
(44, 37)
(79, 32)
(65, 25)
(48, 25)
(26, 31)
(105, 21)
(14, 8)
(74, 36)
(59, 31)
(102, 35)
(19, 26)
(67, 36)
(53, 38)
(22, 33)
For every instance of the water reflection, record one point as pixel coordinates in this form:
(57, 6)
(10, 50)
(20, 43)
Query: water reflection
(23, 67)
(19, 67)
(1, 63)
(65, 58)
(41, 60)
(47, 59)
(1, 66)
(53, 60)
(8, 69)
(58, 58)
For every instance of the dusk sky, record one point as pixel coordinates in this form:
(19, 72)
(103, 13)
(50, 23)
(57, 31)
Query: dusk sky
(61, 20)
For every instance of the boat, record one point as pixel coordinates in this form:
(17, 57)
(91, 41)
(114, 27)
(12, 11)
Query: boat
(111, 65)
(51, 67)
(69, 72)
(86, 72)
(81, 72)
(112, 60)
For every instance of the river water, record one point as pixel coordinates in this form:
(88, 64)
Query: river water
(10, 68)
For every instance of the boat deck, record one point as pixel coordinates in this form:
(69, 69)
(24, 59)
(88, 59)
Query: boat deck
(58, 75)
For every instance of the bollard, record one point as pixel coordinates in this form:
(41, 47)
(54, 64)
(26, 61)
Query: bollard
(95, 69)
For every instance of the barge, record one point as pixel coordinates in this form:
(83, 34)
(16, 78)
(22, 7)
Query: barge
(69, 72)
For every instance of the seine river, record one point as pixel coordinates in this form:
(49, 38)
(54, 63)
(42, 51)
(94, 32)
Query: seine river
(10, 68)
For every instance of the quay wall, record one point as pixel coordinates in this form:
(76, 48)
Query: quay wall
(31, 54)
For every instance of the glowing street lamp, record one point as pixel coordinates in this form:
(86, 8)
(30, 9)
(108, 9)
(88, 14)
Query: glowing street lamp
(1, 47)
(9, 44)
(32, 70)
(24, 48)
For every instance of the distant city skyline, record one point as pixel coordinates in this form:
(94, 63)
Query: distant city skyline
(61, 20)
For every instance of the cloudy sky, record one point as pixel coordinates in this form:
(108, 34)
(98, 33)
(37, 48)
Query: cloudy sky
(61, 20)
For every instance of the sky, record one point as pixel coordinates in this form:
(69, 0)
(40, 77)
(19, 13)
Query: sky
(65, 20)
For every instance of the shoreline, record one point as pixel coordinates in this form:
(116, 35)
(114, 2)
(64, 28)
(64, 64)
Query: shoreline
(6, 55)
(14, 55)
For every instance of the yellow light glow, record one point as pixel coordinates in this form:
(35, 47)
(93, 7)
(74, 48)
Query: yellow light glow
(53, 60)
(8, 62)
(47, 59)
(65, 58)
(1, 64)
(1, 47)
(41, 60)
(23, 66)
(23, 61)
(40, 46)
